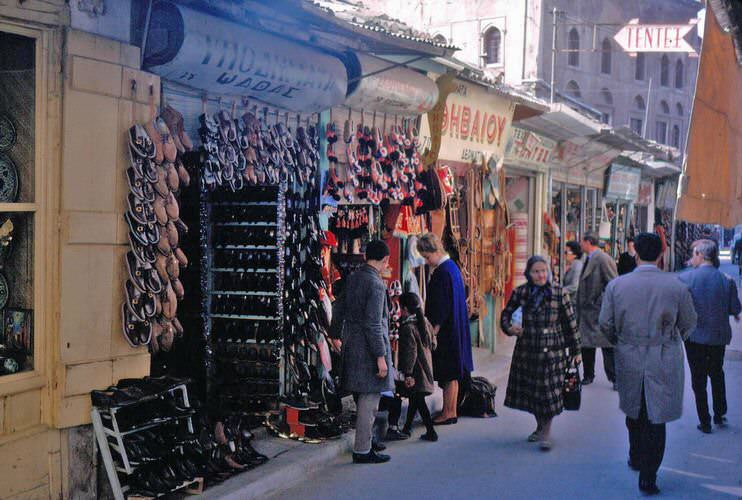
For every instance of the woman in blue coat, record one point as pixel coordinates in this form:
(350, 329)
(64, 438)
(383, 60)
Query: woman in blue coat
(445, 308)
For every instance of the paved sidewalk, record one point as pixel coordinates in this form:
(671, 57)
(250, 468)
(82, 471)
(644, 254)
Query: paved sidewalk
(293, 463)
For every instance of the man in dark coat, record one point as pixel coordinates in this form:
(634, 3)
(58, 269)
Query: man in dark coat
(715, 299)
(361, 318)
(599, 269)
(647, 314)
(627, 260)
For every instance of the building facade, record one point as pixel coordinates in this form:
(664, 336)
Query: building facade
(512, 41)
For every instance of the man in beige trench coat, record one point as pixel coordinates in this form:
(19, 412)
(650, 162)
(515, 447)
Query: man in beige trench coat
(647, 314)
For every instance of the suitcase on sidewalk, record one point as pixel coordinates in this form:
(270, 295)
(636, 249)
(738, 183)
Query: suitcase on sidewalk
(477, 398)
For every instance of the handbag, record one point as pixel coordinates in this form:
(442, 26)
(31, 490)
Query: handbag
(572, 392)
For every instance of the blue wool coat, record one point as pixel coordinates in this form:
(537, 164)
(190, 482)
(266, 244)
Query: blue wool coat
(715, 299)
(445, 306)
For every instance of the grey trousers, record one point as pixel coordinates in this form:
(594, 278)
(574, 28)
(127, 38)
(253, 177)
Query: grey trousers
(367, 404)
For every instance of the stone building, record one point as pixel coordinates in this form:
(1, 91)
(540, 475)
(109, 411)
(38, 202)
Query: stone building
(512, 41)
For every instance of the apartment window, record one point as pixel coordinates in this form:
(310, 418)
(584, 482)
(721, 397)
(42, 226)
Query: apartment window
(573, 90)
(639, 68)
(661, 132)
(676, 136)
(664, 107)
(19, 221)
(639, 103)
(573, 44)
(665, 71)
(679, 74)
(636, 125)
(607, 96)
(492, 46)
(605, 57)
(679, 109)
(606, 118)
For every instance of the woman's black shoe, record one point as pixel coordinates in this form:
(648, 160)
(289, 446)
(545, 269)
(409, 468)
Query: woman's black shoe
(705, 428)
(377, 446)
(370, 458)
(430, 436)
(448, 421)
(396, 435)
(649, 488)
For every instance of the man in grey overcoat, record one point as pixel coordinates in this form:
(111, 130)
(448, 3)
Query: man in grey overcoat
(647, 314)
(361, 319)
(599, 269)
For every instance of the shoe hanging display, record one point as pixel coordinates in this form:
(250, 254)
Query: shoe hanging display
(155, 176)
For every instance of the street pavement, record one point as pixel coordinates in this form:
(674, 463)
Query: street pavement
(490, 458)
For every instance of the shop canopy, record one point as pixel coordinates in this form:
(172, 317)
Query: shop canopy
(711, 190)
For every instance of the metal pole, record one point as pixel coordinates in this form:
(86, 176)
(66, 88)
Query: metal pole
(553, 52)
(646, 110)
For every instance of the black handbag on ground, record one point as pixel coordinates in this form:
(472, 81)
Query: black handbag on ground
(572, 392)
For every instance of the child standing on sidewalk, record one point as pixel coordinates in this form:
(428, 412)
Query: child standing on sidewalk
(415, 361)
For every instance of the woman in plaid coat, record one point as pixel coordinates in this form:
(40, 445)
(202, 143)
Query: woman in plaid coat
(548, 340)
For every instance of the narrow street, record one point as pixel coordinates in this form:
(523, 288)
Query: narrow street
(491, 458)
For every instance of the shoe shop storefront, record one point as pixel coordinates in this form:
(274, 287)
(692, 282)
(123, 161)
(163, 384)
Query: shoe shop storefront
(165, 242)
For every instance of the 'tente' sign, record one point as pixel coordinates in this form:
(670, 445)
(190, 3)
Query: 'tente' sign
(635, 37)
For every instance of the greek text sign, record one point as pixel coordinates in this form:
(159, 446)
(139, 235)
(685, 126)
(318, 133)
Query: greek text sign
(218, 56)
(636, 37)
(475, 125)
(527, 148)
(622, 182)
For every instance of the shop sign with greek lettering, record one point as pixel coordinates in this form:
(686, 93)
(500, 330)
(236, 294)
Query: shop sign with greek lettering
(529, 149)
(476, 124)
(220, 57)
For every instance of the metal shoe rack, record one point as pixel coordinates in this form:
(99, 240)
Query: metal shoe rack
(242, 281)
(110, 438)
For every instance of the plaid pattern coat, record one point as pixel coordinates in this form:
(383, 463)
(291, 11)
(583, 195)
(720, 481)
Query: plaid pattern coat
(540, 358)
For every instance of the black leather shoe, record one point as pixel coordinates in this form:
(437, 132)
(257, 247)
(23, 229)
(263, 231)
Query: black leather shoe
(430, 436)
(649, 488)
(705, 428)
(587, 380)
(370, 458)
(396, 435)
(720, 420)
(376, 446)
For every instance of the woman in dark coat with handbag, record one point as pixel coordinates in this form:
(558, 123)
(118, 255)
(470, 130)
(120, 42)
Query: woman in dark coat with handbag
(548, 342)
(415, 362)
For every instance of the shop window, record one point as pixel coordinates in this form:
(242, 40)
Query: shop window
(661, 132)
(493, 46)
(605, 57)
(573, 57)
(639, 68)
(665, 71)
(636, 125)
(573, 214)
(676, 136)
(17, 218)
(679, 74)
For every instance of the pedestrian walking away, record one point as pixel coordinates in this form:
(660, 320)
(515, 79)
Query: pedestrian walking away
(548, 342)
(573, 257)
(361, 318)
(598, 271)
(647, 314)
(715, 299)
(415, 362)
(445, 308)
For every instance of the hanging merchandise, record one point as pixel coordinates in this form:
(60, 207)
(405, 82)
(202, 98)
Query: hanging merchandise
(375, 166)
(153, 289)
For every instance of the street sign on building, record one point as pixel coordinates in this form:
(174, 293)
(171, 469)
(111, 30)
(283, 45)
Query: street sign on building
(635, 37)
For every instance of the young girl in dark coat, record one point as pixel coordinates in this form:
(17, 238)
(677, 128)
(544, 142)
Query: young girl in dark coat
(415, 361)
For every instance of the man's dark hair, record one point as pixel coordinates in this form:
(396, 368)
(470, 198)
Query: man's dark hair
(629, 240)
(648, 246)
(376, 250)
(591, 238)
(574, 247)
